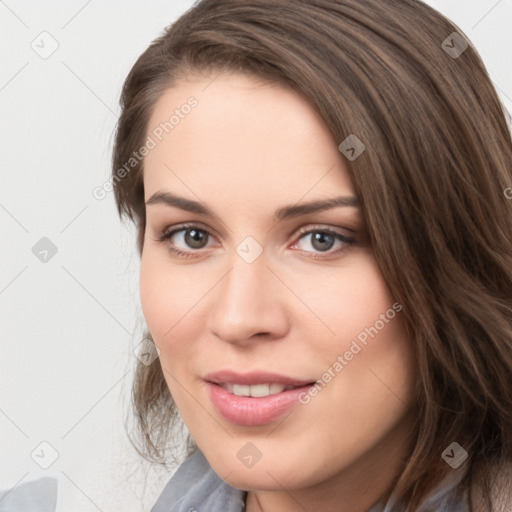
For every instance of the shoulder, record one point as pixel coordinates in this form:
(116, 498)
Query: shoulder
(195, 487)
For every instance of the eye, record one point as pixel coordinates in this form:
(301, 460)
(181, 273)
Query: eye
(323, 241)
(186, 239)
(192, 237)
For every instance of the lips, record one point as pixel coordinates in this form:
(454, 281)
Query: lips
(255, 398)
(253, 378)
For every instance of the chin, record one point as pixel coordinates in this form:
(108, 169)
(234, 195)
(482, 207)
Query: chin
(265, 475)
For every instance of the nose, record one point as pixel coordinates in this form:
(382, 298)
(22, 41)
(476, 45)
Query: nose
(248, 304)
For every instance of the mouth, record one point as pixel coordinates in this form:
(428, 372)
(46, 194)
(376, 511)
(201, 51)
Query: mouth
(255, 398)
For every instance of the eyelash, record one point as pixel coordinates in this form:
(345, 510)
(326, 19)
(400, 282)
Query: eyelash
(347, 241)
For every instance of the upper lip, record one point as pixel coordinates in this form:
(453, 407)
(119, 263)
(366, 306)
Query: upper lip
(254, 377)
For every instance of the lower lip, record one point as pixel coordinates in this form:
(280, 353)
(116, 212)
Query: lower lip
(251, 411)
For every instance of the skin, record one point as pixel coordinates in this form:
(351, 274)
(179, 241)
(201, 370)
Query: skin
(248, 149)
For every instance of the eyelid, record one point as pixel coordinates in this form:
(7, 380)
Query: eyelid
(322, 228)
(170, 230)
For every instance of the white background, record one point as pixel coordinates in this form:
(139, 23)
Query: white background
(69, 326)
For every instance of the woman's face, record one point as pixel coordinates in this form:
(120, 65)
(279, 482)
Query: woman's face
(266, 280)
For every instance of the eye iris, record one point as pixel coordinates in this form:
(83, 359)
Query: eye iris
(195, 238)
(322, 241)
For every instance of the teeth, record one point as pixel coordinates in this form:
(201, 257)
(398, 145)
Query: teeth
(256, 390)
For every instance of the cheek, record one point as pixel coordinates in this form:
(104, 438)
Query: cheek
(174, 302)
(156, 297)
(352, 303)
(168, 303)
(377, 359)
(165, 297)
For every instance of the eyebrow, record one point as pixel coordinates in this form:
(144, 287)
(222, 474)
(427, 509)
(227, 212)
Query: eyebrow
(295, 210)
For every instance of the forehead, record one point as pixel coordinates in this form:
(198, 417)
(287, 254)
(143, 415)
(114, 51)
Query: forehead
(242, 135)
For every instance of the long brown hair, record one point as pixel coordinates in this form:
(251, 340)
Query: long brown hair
(432, 182)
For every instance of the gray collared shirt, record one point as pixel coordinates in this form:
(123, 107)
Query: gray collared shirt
(195, 487)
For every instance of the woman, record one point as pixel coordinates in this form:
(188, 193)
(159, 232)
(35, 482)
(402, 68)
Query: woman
(320, 191)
